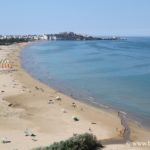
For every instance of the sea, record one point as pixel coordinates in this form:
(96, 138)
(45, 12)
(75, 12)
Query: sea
(114, 74)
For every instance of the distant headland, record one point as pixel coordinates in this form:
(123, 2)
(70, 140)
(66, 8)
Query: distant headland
(10, 39)
(77, 37)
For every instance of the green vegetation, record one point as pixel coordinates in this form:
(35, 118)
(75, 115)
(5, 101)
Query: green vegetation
(12, 41)
(79, 142)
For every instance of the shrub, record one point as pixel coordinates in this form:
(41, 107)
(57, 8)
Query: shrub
(12, 41)
(79, 142)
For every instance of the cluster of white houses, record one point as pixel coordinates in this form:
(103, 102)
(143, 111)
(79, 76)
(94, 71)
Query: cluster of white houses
(31, 37)
(59, 36)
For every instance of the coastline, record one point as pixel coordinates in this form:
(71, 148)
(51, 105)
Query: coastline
(31, 109)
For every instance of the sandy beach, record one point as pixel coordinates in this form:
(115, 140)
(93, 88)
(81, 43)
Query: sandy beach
(27, 105)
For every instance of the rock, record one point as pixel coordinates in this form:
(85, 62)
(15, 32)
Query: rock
(36, 88)
(74, 105)
(10, 105)
(29, 133)
(5, 141)
(50, 102)
(75, 118)
(34, 140)
(58, 98)
(33, 134)
(26, 132)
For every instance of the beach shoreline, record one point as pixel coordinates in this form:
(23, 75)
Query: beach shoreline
(34, 105)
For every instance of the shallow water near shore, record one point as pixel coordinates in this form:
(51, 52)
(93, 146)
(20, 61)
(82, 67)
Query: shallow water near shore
(109, 73)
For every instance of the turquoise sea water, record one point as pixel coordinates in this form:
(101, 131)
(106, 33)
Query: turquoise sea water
(112, 73)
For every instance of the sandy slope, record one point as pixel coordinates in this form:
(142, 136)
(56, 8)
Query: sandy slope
(24, 104)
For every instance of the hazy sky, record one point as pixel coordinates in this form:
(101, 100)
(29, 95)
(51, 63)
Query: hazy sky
(96, 17)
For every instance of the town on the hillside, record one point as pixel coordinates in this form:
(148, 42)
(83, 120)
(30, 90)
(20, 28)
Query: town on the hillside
(9, 39)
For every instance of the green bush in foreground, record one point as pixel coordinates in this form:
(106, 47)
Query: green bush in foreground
(79, 142)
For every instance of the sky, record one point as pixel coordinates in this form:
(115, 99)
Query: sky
(94, 17)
